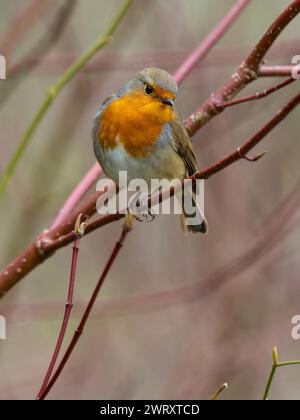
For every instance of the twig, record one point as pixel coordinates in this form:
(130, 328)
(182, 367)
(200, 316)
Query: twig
(275, 71)
(258, 95)
(80, 328)
(242, 151)
(79, 232)
(210, 40)
(56, 89)
(219, 392)
(276, 365)
(84, 185)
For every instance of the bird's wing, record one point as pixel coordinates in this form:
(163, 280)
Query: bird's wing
(96, 125)
(183, 145)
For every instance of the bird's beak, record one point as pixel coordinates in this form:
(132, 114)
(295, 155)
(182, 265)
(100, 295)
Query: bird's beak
(167, 101)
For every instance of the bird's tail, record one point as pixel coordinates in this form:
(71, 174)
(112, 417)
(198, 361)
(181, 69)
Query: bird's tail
(193, 219)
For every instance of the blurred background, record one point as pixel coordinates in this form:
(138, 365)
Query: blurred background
(178, 315)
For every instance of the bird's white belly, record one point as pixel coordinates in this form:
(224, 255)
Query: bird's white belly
(164, 163)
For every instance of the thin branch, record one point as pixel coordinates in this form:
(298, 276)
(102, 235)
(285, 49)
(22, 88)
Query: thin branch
(80, 190)
(219, 392)
(56, 89)
(276, 365)
(242, 151)
(210, 40)
(259, 95)
(275, 71)
(79, 232)
(80, 329)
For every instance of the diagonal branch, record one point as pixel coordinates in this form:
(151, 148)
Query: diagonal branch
(259, 95)
(210, 41)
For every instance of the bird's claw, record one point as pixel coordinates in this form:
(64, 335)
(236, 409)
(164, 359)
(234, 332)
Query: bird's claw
(145, 217)
(138, 207)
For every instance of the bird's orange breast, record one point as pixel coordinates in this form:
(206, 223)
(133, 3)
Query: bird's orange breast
(136, 121)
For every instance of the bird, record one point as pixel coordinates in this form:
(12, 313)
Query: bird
(139, 130)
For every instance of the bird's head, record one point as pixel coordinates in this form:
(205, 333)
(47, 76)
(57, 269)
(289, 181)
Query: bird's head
(154, 91)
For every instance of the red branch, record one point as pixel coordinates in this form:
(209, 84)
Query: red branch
(242, 151)
(275, 71)
(90, 305)
(259, 95)
(78, 232)
(208, 43)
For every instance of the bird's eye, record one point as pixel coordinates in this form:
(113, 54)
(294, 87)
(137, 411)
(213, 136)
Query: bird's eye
(148, 89)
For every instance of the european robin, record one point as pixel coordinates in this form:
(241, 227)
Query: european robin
(138, 130)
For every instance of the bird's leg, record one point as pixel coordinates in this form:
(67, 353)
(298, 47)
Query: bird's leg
(129, 218)
(138, 207)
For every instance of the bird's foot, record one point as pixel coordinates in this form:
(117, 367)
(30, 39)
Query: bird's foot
(138, 206)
